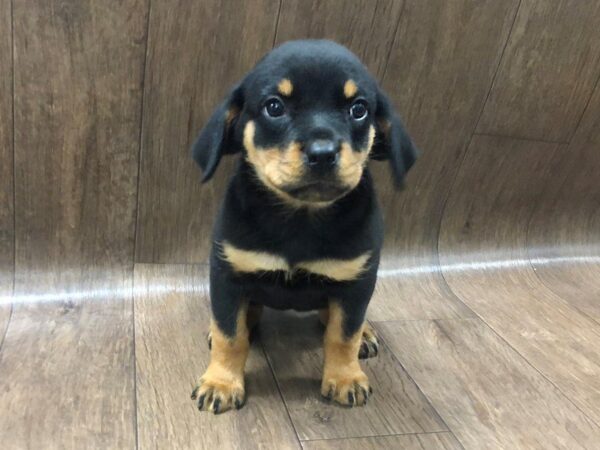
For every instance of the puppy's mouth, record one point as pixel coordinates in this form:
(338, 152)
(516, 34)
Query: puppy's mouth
(318, 191)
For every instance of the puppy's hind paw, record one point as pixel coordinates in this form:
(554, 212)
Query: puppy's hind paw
(369, 346)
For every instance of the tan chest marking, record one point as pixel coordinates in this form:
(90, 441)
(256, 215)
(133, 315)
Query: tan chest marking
(337, 269)
(249, 261)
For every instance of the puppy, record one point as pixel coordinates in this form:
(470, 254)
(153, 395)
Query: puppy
(299, 227)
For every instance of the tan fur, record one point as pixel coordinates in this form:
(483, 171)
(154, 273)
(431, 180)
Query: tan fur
(224, 377)
(368, 340)
(342, 374)
(352, 163)
(248, 261)
(277, 168)
(252, 319)
(337, 269)
(369, 334)
(350, 89)
(285, 87)
(274, 166)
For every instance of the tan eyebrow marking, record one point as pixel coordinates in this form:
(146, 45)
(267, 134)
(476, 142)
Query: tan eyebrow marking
(350, 89)
(285, 87)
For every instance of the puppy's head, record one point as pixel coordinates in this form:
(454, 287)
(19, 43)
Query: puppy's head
(308, 118)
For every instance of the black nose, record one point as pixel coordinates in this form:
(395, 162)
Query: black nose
(322, 153)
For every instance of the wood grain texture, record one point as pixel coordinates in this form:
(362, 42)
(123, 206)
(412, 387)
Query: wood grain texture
(564, 232)
(172, 316)
(483, 250)
(491, 201)
(5, 313)
(438, 75)
(6, 163)
(366, 27)
(77, 115)
(433, 441)
(487, 394)
(196, 52)
(548, 71)
(66, 373)
(67, 361)
(293, 343)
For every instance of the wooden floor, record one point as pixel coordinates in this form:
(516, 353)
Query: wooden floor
(518, 367)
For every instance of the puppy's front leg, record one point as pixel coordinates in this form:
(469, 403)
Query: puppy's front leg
(343, 379)
(222, 385)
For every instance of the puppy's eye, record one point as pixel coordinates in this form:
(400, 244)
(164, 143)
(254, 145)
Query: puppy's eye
(274, 107)
(358, 110)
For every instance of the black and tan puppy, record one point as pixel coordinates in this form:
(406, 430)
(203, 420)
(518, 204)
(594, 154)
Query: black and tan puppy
(299, 227)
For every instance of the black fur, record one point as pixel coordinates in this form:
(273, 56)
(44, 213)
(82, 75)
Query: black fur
(253, 217)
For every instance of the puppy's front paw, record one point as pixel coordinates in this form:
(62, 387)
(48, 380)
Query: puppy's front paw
(219, 394)
(349, 387)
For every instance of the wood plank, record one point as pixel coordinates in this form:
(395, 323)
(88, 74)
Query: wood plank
(548, 71)
(78, 74)
(293, 343)
(196, 52)
(487, 394)
(499, 183)
(413, 292)
(564, 232)
(67, 361)
(171, 321)
(440, 100)
(483, 250)
(366, 27)
(7, 212)
(432, 441)
(66, 372)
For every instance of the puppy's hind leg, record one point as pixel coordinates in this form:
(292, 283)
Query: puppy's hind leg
(369, 345)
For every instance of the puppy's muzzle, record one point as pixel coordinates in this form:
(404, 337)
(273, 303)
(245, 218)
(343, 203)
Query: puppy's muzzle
(322, 155)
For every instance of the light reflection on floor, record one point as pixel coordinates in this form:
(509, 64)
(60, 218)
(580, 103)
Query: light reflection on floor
(473, 264)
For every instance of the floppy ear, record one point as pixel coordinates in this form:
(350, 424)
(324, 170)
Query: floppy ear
(392, 142)
(216, 138)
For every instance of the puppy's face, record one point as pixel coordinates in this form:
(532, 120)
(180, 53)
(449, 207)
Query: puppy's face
(308, 124)
(307, 118)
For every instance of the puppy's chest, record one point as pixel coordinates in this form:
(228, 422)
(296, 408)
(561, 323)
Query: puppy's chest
(245, 261)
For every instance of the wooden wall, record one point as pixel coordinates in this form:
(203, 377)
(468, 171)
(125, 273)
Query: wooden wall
(100, 101)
